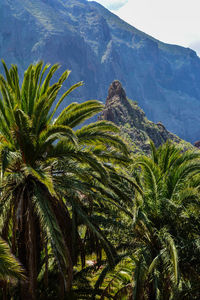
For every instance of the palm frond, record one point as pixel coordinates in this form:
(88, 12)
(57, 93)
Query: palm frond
(9, 266)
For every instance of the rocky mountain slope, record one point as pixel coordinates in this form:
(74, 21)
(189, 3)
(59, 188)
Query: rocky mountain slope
(99, 47)
(134, 125)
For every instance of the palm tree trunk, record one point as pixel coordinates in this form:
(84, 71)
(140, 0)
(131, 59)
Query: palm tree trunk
(32, 251)
(46, 266)
(5, 290)
(22, 247)
(151, 293)
(27, 249)
(61, 288)
(65, 222)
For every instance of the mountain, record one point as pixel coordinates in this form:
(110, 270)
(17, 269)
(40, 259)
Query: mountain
(134, 125)
(99, 47)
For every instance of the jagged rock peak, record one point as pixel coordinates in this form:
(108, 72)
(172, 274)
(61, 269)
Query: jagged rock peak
(197, 144)
(135, 128)
(116, 91)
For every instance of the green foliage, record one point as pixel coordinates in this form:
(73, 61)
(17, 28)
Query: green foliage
(165, 214)
(10, 268)
(84, 219)
(161, 227)
(51, 174)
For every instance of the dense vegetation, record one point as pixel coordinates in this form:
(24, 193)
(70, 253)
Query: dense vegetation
(83, 216)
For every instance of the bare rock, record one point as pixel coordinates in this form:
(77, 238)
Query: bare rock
(116, 90)
(135, 127)
(197, 144)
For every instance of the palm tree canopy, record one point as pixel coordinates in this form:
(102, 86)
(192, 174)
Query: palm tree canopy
(163, 222)
(47, 161)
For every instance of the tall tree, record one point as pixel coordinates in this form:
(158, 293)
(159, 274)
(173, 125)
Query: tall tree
(161, 247)
(166, 219)
(40, 152)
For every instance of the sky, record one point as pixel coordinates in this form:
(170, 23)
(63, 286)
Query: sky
(170, 21)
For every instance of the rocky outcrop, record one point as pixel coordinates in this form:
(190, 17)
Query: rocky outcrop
(116, 92)
(197, 144)
(99, 47)
(135, 127)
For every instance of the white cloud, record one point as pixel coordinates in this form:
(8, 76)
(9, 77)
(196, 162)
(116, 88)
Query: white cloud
(112, 4)
(171, 21)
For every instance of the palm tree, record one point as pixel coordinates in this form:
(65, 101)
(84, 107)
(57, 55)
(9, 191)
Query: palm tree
(42, 158)
(166, 220)
(116, 204)
(161, 246)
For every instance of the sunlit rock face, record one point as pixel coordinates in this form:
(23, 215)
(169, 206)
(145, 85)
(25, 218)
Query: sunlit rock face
(99, 47)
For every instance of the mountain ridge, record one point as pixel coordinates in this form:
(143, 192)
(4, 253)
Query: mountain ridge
(99, 47)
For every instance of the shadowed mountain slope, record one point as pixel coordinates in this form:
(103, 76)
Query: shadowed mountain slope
(99, 48)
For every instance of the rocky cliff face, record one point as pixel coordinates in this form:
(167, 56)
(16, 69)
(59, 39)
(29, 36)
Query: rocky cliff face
(99, 48)
(135, 127)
